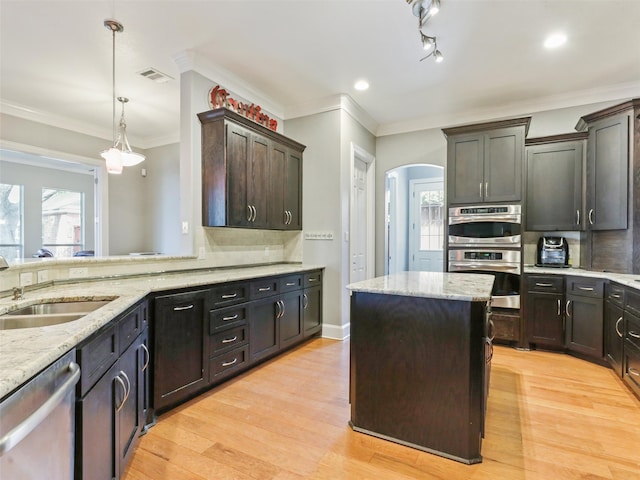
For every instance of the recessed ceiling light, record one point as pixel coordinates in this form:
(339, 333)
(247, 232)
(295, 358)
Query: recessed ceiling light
(361, 85)
(555, 40)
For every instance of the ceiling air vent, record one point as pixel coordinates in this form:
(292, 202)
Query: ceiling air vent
(155, 75)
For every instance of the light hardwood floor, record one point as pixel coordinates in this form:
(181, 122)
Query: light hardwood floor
(550, 416)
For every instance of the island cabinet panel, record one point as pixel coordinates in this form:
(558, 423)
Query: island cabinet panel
(180, 367)
(251, 176)
(417, 372)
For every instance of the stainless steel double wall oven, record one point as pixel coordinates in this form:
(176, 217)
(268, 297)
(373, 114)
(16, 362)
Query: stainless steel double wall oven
(488, 239)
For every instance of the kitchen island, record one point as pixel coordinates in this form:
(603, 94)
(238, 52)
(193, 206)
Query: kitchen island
(420, 356)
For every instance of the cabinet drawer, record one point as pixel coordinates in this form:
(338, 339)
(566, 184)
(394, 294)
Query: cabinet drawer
(538, 283)
(226, 317)
(228, 339)
(632, 301)
(312, 279)
(264, 288)
(96, 357)
(506, 326)
(290, 283)
(615, 294)
(129, 327)
(632, 329)
(230, 294)
(585, 287)
(226, 364)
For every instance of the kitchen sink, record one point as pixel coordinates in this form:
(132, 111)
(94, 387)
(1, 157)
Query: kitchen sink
(46, 314)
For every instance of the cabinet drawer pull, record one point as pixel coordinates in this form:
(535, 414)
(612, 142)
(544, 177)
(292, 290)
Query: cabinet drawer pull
(186, 307)
(633, 334)
(312, 280)
(264, 289)
(617, 329)
(232, 317)
(290, 284)
(229, 295)
(230, 340)
(544, 284)
(615, 295)
(586, 289)
(226, 364)
(633, 371)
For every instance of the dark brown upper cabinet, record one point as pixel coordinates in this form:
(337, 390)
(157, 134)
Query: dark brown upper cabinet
(554, 173)
(484, 162)
(251, 176)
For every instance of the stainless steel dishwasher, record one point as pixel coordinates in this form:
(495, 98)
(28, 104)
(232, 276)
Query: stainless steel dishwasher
(37, 425)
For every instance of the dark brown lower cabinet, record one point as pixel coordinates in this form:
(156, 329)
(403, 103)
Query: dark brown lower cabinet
(181, 364)
(613, 336)
(312, 311)
(544, 311)
(111, 415)
(584, 326)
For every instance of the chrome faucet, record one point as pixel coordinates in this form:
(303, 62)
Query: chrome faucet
(17, 293)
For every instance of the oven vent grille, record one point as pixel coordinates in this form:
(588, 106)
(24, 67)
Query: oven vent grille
(155, 75)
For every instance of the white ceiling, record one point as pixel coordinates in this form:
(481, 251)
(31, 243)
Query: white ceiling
(291, 55)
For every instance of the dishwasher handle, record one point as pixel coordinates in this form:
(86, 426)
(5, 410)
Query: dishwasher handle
(17, 434)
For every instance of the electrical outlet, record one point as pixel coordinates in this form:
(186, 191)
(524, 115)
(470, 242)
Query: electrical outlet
(78, 272)
(26, 279)
(43, 276)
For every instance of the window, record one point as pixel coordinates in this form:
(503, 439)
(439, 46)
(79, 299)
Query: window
(62, 225)
(431, 220)
(11, 220)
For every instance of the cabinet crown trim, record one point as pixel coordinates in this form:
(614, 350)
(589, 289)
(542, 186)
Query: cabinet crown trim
(583, 123)
(564, 137)
(222, 113)
(479, 127)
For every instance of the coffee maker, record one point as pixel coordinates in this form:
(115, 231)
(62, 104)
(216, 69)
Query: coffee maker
(552, 252)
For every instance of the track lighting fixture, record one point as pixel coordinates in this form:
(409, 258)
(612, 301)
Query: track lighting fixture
(424, 10)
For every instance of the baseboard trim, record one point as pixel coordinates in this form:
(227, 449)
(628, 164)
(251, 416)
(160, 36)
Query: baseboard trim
(336, 332)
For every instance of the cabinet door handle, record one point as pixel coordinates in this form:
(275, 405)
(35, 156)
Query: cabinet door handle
(566, 308)
(226, 364)
(544, 284)
(278, 309)
(232, 317)
(230, 340)
(633, 334)
(617, 329)
(229, 295)
(577, 217)
(591, 216)
(250, 213)
(305, 301)
(586, 289)
(186, 307)
(283, 309)
(559, 312)
(264, 289)
(633, 371)
(255, 213)
(147, 356)
(124, 392)
(480, 189)
(486, 189)
(492, 333)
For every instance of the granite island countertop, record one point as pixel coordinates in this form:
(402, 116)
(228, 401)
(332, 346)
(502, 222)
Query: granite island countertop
(25, 352)
(468, 287)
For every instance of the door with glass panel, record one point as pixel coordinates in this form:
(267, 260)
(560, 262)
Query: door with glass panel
(426, 225)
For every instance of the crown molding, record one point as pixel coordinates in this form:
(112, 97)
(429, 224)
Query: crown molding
(190, 60)
(331, 103)
(613, 93)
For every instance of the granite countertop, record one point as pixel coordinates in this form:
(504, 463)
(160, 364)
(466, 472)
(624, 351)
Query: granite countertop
(469, 287)
(25, 352)
(627, 279)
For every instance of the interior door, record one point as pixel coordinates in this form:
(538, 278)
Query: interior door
(359, 212)
(426, 225)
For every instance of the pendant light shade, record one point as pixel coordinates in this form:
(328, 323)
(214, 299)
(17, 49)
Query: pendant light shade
(120, 154)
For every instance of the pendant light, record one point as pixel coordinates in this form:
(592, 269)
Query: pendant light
(120, 154)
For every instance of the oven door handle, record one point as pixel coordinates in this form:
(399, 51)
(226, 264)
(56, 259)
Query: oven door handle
(488, 218)
(498, 267)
